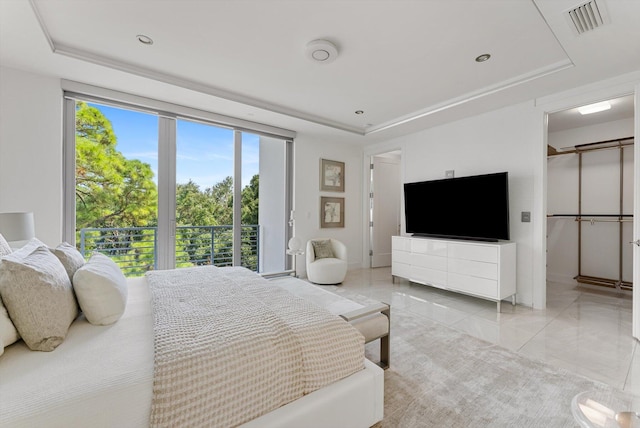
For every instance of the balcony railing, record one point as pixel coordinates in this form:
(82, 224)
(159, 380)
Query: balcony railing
(135, 249)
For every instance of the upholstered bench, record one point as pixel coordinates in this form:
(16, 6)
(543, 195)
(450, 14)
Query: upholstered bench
(373, 320)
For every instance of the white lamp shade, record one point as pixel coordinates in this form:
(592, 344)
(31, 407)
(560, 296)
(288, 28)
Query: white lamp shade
(17, 226)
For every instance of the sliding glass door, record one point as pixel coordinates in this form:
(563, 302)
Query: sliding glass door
(157, 192)
(204, 194)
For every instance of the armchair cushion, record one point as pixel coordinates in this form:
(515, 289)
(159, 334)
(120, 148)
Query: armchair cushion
(322, 249)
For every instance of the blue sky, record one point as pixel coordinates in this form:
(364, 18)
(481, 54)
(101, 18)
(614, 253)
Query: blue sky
(204, 152)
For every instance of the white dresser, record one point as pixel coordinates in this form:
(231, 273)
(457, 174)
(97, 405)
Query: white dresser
(482, 269)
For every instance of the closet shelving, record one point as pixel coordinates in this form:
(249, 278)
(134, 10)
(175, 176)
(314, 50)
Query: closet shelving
(593, 218)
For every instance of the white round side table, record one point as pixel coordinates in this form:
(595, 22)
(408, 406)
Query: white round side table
(606, 409)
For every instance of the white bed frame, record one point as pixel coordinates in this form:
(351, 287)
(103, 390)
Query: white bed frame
(355, 401)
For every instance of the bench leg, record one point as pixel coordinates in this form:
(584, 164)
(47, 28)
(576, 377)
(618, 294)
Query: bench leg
(385, 342)
(384, 352)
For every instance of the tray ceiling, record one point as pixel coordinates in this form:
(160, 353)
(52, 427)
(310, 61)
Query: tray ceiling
(398, 61)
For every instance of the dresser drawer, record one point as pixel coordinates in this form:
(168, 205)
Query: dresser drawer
(478, 253)
(473, 285)
(428, 261)
(400, 243)
(428, 246)
(473, 268)
(437, 278)
(401, 269)
(401, 257)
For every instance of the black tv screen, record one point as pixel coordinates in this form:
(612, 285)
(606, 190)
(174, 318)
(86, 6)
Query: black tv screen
(474, 207)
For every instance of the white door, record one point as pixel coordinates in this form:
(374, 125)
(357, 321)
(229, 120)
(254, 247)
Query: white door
(385, 207)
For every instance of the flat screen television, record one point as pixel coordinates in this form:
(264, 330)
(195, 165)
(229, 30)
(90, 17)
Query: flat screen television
(474, 207)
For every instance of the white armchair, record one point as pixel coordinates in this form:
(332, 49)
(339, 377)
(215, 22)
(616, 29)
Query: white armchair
(330, 265)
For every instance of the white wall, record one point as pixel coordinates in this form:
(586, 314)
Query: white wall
(308, 153)
(31, 149)
(508, 139)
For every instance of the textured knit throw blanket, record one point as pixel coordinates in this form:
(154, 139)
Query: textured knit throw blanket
(229, 347)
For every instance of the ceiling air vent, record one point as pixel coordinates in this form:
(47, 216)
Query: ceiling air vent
(587, 16)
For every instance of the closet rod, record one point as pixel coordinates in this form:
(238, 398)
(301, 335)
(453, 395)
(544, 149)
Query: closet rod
(590, 215)
(608, 144)
(594, 220)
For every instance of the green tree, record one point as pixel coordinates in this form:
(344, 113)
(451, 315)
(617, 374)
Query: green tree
(111, 190)
(251, 201)
(213, 206)
(222, 194)
(194, 207)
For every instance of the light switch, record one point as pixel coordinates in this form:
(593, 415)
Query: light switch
(525, 216)
(449, 173)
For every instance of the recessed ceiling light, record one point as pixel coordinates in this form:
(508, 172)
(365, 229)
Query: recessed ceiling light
(321, 51)
(359, 112)
(145, 40)
(594, 108)
(483, 57)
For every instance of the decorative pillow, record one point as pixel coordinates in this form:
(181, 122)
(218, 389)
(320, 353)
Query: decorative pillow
(8, 332)
(5, 249)
(323, 249)
(71, 258)
(101, 289)
(38, 295)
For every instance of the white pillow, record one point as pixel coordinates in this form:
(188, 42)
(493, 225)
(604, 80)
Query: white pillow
(37, 293)
(5, 249)
(8, 332)
(101, 289)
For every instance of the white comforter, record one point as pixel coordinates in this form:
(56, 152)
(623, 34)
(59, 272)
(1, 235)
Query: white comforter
(229, 347)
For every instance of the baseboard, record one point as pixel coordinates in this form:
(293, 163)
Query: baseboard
(562, 278)
(354, 265)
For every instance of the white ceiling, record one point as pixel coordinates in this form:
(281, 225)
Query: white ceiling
(406, 64)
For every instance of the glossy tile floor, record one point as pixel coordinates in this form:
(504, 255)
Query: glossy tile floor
(584, 330)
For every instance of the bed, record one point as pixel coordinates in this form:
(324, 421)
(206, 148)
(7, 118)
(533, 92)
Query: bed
(103, 376)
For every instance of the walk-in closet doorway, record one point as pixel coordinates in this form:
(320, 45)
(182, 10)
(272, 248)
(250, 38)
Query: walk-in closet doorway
(590, 197)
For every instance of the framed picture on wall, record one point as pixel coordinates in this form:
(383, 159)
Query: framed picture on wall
(331, 175)
(331, 212)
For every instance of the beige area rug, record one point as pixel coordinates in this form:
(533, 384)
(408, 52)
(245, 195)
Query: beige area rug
(440, 377)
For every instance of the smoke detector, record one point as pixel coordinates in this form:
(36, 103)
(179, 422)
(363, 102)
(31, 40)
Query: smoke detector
(587, 16)
(321, 51)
